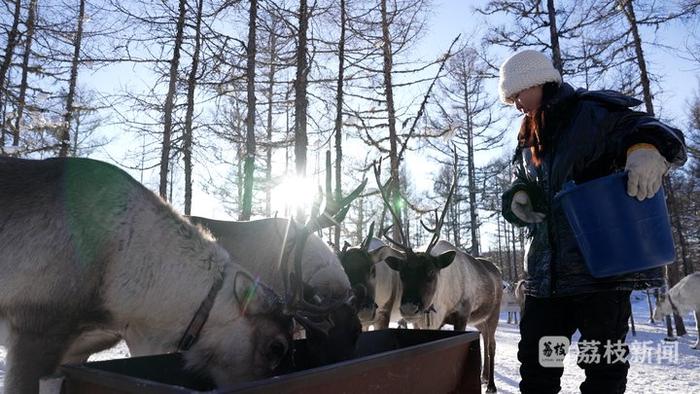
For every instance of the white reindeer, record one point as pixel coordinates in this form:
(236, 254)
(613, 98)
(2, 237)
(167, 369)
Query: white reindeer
(85, 248)
(509, 303)
(683, 298)
(260, 246)
(441, 284)
(444, 285)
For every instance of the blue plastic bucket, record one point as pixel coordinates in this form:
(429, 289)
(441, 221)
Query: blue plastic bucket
(617, 234)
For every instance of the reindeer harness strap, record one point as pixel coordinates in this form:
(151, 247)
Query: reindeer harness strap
(200, 317)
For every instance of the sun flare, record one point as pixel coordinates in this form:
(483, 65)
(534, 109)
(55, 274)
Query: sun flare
(293, 193)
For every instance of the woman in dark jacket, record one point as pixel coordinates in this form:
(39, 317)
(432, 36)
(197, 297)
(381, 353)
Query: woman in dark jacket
(578, 135)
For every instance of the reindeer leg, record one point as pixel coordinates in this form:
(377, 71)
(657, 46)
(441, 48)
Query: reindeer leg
(89, 343)
(32, 355)
(488, 333)
(491, 386)
(381, 321)
(697, 330)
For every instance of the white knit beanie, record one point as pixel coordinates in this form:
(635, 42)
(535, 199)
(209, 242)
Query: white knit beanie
(524, 70)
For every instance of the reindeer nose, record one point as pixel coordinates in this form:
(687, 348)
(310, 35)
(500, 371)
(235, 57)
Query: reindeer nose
(409, 309)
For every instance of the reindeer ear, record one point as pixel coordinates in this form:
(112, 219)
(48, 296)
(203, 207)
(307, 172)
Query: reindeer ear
(394, 263)
(445, 259)
(253, 297)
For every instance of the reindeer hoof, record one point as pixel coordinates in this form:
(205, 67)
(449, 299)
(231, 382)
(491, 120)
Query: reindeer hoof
(491, 389)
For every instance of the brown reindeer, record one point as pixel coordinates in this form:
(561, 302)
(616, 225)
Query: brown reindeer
(442, 284)
(85, 248)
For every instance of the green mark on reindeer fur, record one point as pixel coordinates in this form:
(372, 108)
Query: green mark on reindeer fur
(95, 201)
(249, 294)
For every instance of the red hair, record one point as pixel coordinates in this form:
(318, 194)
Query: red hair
(530, 135)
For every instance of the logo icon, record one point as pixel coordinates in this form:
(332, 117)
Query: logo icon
(552, 350)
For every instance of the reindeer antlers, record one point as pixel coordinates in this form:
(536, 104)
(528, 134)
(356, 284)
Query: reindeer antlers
(335, 211)
(439, 223)
(402, 244)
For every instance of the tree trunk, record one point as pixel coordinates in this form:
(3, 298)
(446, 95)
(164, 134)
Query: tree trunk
(74, 147)
(554, 37)
(170, 101)
(25, 71)
(68, 117)
(249, 170)
(394, 184)
(677, 225)
(515, 252)
(498, 240)
(471, 173)
(239, 173)
(454, 220)
(272, 44)
(506, 244)
(300, 99)
(339, 115)
(7, 61)
(191, 86)
(628, 7)
(672, 269)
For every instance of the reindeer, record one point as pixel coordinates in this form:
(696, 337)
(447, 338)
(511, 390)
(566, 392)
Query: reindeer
(513, 299)
(264, 247)
(683, 298)
(444, 285)
(375, 285)
(509, 304)
(85, 248)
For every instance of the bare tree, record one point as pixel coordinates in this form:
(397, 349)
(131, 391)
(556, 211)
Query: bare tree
(29, 38)
(249, 167)
(338, 128)
(465, 113)
(191, 87)
(533, 26)
(170, 99)
(12, 38)
(300, 99)
(68, 116)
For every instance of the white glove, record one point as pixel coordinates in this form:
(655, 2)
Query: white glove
(645, 169)
(522, 208)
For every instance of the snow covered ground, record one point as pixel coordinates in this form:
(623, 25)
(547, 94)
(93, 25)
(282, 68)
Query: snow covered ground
(677, 370)
(648, 372)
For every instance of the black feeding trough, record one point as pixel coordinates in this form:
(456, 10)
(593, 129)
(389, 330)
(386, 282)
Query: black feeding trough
(388, 361)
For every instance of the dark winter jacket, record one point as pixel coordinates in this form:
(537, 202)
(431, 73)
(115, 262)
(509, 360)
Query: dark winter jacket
(587, 134)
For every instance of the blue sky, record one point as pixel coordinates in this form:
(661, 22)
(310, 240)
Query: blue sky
(448, 18)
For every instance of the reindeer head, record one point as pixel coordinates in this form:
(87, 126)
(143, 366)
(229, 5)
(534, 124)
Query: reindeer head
(332, 336)
(330, 320)
(418, 271)
(246, 336)
(663, 307)
(359, 265)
